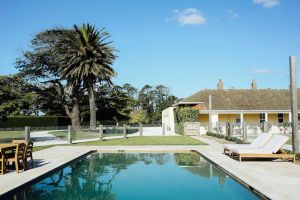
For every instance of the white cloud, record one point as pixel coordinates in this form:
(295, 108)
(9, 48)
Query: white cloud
(231, 14)
(188, 16)
(264, 71)
(267, 3)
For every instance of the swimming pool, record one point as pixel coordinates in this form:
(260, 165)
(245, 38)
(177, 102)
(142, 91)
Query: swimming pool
(133, 176)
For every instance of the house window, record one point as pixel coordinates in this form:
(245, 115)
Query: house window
(238, 119)
(280, 117)
(262, 117)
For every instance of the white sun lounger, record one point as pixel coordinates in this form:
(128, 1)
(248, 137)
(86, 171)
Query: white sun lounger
(272, 149)
(259, 141)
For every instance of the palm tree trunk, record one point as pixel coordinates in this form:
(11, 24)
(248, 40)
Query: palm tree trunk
(75, 118)
(92, 107)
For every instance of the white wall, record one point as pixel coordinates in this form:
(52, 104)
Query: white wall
(168, 119)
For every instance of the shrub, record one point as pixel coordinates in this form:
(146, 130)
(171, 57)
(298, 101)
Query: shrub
(33, 121)
(298, 156)
(227, 137)
(138, 116)
(182, 115)
(220, 136)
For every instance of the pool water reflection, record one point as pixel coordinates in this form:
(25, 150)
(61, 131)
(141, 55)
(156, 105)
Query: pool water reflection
(133, 176)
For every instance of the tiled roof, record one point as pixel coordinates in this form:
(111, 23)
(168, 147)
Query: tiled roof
(244, 99)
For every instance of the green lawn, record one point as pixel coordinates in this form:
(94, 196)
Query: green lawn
(42, 147)
(75, 136)
(153, 140)
(290, 139)
(8, 136)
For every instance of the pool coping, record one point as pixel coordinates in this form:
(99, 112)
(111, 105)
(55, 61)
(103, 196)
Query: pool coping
(131, 149)
(239, 180)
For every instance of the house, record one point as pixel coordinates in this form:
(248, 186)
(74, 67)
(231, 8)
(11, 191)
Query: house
(237, 106)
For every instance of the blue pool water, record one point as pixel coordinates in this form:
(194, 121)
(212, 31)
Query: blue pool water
(138, 176)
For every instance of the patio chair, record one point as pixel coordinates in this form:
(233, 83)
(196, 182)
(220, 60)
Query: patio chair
(18, 157)
(259, 141)
(2, 162)
(28, 152)
(272, 149)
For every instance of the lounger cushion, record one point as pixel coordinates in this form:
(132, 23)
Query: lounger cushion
(276, 142)
(232, 146)
(260, 141)
(272, 146)
(252, 151)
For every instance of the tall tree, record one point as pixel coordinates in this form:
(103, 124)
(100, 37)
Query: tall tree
(161, 93)
(17, 96)
(154, 100)
(87, 58)
(130, 90)
(145, 98)
(40, 64)
(113, 103)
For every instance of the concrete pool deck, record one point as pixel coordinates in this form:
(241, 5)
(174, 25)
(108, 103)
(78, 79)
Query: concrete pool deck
(276, 180)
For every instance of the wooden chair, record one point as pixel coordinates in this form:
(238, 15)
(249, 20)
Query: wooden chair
(28, 152)
(2, 162)
(18, 157)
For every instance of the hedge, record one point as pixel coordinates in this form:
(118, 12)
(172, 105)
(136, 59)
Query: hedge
(226, 137)
(33, 121)
(182, 115)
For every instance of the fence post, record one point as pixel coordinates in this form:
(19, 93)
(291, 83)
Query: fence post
(101, 133)
(227, 129)
(141, 129)
(163, 129)
(266, 127)
(124, 131)
(218, 128)
(209, 114)
(70, 134)
(231, 129)
(27, 133)
(244, 132)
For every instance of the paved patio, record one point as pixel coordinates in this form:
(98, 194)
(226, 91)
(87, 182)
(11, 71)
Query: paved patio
(276, 180)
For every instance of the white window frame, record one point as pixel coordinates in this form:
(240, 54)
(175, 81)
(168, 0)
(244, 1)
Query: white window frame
(281, 118)
(238, 119)
(262, 117)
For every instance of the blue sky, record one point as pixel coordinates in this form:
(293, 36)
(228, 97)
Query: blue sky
(184, 44)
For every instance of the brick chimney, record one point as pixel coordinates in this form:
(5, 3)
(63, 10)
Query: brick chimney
(220, 84)
(253, 85)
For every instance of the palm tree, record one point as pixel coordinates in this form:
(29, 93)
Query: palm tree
(87, 60)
